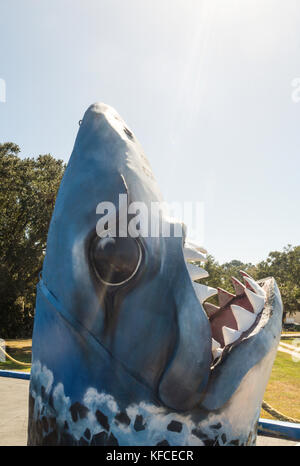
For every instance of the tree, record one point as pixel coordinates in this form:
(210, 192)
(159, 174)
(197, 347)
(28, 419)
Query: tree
(283, 266)
(27, 196)
(220, 275)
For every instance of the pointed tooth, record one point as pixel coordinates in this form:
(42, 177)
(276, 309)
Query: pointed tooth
(215, 344)
(224, 297)
(230, 335)
(204, 292)
(216, 349)
(191, 254)
(191, 244)
(238, 286)
(196, 272)
(217, 353)
(210, 309)
(254, 286)
(257, 301)
(244, 318)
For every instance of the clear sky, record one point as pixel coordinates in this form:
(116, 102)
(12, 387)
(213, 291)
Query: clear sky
(205, 86)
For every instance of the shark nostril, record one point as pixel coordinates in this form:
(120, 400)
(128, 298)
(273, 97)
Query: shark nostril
(128, 133)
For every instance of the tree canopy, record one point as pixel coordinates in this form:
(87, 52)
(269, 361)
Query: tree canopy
(27, 195)
(284, 266)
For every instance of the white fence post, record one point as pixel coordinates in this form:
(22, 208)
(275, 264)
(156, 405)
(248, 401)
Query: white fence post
(2, 355)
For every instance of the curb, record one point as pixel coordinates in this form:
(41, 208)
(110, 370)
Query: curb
(15, 374)
(285, 430)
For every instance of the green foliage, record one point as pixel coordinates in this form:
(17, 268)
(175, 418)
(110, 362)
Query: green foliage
(220, 275)
(27, 196)
(283, 266)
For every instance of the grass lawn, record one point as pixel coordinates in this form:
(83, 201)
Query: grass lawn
(19, 350)
(282, 393)
(283, 390)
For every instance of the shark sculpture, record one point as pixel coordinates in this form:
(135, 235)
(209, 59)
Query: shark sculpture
(126, 348)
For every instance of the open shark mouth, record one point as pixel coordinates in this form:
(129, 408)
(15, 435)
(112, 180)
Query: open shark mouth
(237, 314)
(124, 335)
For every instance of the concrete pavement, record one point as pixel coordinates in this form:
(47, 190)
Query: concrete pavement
(274, 442)
(13, 411)
(13, 415)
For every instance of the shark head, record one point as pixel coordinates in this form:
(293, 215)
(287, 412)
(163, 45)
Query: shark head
(122, 328)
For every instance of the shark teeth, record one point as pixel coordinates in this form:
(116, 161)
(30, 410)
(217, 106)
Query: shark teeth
(244, 318)
(216, 348)
(255, 286)
(238, 286)
(204, 292)
(230, 335)
(191, 254)
(257, 301)
(252, 293)
(215, 344)
(210, 309)
(244, 274)
(217, 353)
(196, 272)
(224, 297)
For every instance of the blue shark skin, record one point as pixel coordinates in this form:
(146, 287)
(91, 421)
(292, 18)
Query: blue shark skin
(138, 353)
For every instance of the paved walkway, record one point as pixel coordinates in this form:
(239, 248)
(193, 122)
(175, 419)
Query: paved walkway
(295, 354)
(290, 347)
(13, 415)
(13, 411)
(274, 442)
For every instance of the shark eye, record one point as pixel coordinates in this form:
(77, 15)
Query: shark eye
(116, 260)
